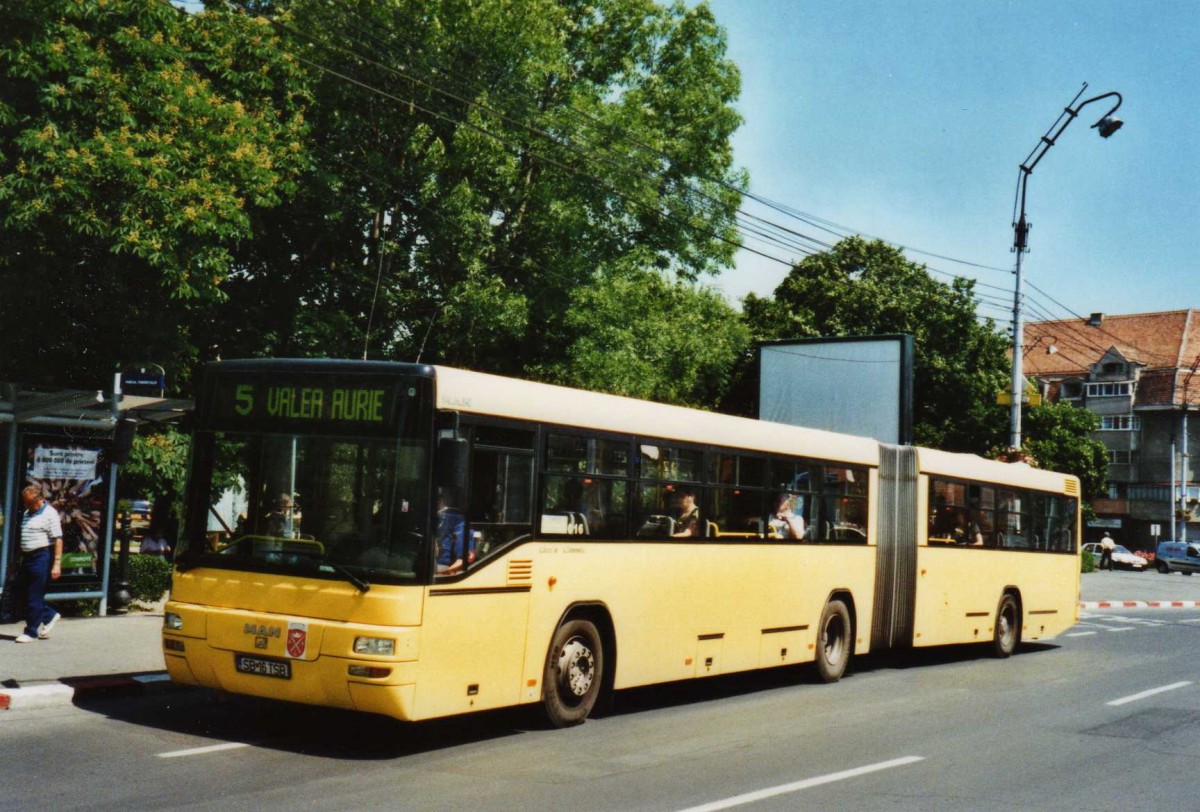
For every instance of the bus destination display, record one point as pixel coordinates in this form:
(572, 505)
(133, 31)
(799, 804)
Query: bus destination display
(349, 403)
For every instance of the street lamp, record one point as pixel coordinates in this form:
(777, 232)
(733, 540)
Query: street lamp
(1106, 126)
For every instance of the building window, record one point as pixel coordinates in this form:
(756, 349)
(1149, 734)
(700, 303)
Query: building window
(1072, 390)
(1120, 422)
(1108, 390)
(1120, 457)
(1149, 493)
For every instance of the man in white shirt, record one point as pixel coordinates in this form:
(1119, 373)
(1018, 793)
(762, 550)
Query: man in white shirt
(41, 561)
(1107, 546)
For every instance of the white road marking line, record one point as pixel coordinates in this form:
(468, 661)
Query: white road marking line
(808, 783)
(1080, 634)
(1135, 697)
(199, 751)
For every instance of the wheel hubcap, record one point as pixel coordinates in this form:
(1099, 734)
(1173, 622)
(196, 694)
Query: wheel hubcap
(576, 667)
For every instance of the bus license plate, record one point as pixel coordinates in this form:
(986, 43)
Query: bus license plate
(280, 669)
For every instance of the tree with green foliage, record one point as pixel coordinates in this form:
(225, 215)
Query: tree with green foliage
(137, 144)
(481, 170)
(862, 288)
(1059, 438)
(643, 336)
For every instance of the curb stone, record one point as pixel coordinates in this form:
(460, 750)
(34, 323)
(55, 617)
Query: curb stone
(1139, 604)
(78, 689)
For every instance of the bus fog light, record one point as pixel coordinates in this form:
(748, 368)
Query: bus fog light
(385, 646)
(368, 671)
(172, 621)
(171, 644)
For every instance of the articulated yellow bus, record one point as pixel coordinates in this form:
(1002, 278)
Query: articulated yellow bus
(421, 541)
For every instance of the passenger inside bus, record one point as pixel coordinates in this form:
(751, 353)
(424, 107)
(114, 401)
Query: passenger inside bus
(279, 520)
(972, 535)
(784, 522)
(687, 525)
(451, 535)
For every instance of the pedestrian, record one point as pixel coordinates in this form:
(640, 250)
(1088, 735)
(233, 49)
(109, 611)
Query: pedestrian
(1107, 545)
(41, 562)
(155, 543)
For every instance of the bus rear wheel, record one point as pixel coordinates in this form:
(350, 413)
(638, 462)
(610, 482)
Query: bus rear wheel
(833, 641)
(573, 675)
(1008, 627)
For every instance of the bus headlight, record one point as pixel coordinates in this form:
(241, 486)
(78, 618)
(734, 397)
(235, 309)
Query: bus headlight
(383, 646)
(172, 621)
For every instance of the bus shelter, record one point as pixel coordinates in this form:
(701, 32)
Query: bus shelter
(68, 442)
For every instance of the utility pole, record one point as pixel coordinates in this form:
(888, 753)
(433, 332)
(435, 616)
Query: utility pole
(1106, 127)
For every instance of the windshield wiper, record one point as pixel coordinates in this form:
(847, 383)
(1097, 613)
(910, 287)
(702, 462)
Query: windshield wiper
(362, 585)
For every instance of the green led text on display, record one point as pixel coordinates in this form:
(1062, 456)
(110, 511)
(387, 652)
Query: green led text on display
(310, 403)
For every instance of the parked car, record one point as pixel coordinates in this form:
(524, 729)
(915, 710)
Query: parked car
(1178, 556)
(1122, 559)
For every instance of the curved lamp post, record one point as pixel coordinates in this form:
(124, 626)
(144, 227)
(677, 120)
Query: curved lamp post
(1106, 126)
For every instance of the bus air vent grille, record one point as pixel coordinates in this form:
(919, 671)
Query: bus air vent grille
(520, 571)
(1072, 488)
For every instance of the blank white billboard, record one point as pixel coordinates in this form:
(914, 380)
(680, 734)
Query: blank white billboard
(857, 386)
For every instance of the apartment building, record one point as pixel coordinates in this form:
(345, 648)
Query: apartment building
(1140, 374)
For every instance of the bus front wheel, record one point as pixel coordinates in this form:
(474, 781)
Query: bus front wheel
(573, 675)
(834, 641)
(1008, 627)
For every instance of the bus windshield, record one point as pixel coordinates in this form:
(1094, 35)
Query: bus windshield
(338, 507)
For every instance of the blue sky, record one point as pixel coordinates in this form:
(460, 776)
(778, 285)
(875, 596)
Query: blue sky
(908, 119)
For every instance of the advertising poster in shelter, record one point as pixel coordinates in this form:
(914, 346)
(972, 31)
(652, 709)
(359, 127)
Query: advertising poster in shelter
(72, 478)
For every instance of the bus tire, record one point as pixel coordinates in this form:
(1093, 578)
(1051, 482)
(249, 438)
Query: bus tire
(573, 674)
(1007, 632)
(834, 641)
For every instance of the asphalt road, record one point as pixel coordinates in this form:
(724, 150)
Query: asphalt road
(1106, 717)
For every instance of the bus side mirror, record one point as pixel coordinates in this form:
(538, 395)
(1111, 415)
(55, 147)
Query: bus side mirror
(452, 456)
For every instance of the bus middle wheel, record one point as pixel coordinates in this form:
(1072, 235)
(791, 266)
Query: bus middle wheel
(573, 674)
(834, 641)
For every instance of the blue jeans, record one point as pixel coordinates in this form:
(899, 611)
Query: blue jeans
(35, 570)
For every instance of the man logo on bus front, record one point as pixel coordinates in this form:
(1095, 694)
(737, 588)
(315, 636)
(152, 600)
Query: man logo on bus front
(297, 641)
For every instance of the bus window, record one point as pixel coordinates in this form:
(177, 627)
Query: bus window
(586, 455)
(843, 514)
(501, 500)
(314, 502)
(669, 510)
(670, 463)
(583, 506)
(738, 512)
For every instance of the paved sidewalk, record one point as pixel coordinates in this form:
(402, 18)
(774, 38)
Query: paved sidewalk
(123, 653)
(89, 656)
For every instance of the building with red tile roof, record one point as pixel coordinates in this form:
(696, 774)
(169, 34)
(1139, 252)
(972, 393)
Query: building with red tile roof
(1140, 374)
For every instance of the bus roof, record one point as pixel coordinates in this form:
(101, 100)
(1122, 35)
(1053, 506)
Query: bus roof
(970, 466)
(481, 393)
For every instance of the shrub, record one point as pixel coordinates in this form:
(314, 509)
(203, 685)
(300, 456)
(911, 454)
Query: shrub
(1087, 562)
(149, 577)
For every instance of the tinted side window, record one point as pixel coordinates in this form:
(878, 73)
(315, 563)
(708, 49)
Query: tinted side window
(500, 508)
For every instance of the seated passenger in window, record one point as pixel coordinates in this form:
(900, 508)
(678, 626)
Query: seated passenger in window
(451, 535)
(687, 524)
(784, 522)
(973, 535)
